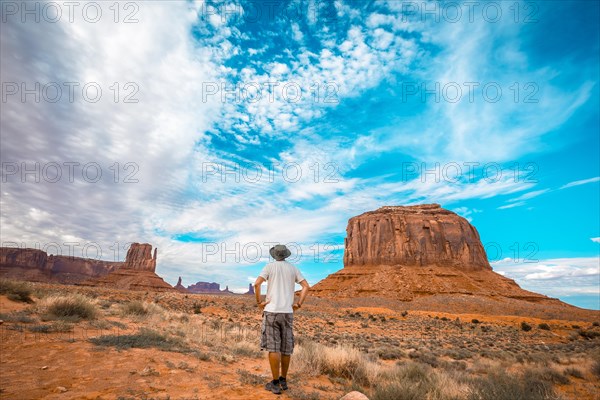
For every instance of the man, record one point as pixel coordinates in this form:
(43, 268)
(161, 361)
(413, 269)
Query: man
(277, 335)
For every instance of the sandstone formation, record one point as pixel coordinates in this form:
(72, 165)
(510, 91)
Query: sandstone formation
(208, 288)
(250, 289)
(414, 236)
(139, 257)
(136, 273)
(179, 286)
(204, 287)
(408, 252)
(37, 265)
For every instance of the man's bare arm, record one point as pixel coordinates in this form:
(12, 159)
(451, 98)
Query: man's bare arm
(303, 293)
(257, 284)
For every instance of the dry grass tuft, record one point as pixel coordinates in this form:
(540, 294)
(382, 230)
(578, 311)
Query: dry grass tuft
(71, 307)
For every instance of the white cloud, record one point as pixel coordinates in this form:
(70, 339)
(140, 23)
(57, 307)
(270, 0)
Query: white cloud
(158, 134)
(530, 195)
(512, 205)
(554, 277)
(596, 239)
(466, 212)
(580, 182)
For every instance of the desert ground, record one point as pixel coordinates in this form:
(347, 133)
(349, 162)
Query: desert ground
(78, 342)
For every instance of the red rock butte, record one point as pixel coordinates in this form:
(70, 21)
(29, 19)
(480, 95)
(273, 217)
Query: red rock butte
(414, 236)
(411, 252)
(137, 272)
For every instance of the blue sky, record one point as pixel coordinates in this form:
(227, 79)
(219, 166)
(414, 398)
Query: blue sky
(262, 123)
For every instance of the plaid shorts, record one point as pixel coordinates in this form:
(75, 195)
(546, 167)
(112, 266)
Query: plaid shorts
(277, 333)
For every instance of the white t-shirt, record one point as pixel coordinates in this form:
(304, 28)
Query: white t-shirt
(281, 277)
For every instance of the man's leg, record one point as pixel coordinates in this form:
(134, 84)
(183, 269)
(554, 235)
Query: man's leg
(274, 360)
(285, 364)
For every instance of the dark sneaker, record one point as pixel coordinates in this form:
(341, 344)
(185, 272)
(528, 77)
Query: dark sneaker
(283, 383)
(273, 387)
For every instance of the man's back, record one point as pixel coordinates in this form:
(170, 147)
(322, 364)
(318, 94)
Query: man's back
(281, 277)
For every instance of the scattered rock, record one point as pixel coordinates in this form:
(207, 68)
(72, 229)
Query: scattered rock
(149, 371)
(354, 396)
(44, 367)
(61, 389)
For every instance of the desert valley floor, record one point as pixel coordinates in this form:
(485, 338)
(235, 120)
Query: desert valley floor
(78, 342)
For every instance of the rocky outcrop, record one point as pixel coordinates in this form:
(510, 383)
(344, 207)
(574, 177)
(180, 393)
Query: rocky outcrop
(140, 258)
(137, 272)
(250, 289)
(179, 286)
(208, 288)
(204, 287)
(408, 252)
(37, 265)
(25, 258)
(414, 236)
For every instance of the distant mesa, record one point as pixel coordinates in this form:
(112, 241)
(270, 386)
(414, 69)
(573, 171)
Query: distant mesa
(415, 252)
(208, 288)
(137, 272)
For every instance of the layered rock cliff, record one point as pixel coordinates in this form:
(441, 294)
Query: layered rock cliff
(139, 257)
(414, 236)
(208, 288)
(414, 251)
(137, 272)
(37, 265)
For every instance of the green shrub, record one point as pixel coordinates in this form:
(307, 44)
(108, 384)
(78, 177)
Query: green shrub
(425, 357)
(16, 317)
(546, 374)
(412, 381)
(249, 378)
(246, 349)
(389, 353)
(58, 326)
(525, 326)
(596, 368)
(16, 291)
(588, 334)
(574, 372)
(145, 338)
(501, 386)
(544, 326)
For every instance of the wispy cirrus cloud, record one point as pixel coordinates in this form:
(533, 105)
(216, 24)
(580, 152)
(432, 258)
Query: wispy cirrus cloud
(581, 182)
(554, 277)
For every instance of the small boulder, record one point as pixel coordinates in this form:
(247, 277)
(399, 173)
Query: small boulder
(355, 396)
